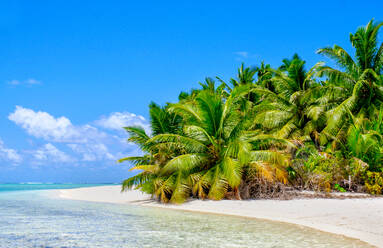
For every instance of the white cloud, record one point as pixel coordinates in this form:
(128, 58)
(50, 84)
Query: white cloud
(242, 54)
(87, 143)
(92, 152)
(118, 120)
(8, 154)
(29, 81)
(14, 82)
(32, 81)
(50, 153)
(43, 125)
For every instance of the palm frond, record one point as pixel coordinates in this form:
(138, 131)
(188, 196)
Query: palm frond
(190, 144)
(137, 180)
(185, 162)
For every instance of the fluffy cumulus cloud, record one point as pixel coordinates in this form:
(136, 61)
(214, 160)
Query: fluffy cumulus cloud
(68, 143)
(9, 155)
(43, 125)
(118, 120)
(50, 153)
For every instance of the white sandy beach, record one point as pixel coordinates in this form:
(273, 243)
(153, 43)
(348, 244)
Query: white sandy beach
(356, 218)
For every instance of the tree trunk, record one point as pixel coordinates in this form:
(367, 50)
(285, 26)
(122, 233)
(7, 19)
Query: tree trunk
(236, 194)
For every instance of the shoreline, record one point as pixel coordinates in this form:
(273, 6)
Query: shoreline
(358, 218)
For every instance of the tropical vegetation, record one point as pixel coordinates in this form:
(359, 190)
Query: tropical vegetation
(270, 130)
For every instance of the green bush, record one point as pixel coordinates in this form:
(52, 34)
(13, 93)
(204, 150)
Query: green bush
(339, 188)
(318, 171)
(322, 171)
(374, 182)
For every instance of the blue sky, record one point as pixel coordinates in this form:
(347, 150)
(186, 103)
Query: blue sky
(73, 72)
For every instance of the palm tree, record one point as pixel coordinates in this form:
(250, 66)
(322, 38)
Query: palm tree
(292, 110)
(245, 76)
(162, 121)
(209, 85)
(219, 141)
(364, 139)
(264, 76)
(213, 151)
(359, 80)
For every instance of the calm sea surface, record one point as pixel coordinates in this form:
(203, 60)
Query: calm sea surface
(31, 217)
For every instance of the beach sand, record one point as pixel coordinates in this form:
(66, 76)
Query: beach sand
(356, 218)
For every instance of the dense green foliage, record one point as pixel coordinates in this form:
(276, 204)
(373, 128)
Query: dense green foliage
(319, 129)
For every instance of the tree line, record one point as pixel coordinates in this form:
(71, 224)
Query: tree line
(270, 129)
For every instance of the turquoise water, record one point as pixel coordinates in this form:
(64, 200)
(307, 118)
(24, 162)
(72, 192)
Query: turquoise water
(41, 186)
(35, 218)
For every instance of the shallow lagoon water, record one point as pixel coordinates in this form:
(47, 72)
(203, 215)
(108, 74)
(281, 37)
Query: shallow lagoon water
(36, 219)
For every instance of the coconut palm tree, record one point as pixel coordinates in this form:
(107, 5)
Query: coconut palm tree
(364, 139)
(264, 76)
(218, 141)
(212, 152)
(209, 85)
(162, 121)
(359, 80)
(245, 76)
(293, 104)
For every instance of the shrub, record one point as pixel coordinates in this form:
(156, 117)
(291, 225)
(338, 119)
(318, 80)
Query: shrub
(374, 182)
(339, 188)
(321, 171)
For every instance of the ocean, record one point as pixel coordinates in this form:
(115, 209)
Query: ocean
(31, 216)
